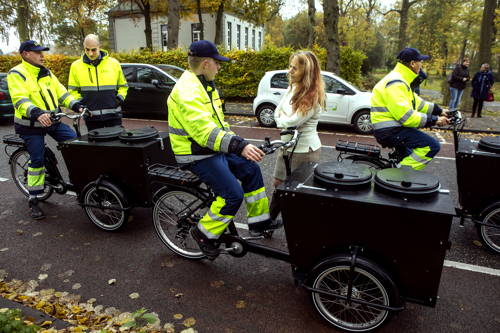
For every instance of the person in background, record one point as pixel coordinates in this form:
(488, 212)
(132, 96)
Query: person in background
(36, 92)
(397, 113)
(97, 81)
(203, 142)
(481, 85)
(458, 81)
(300, 108)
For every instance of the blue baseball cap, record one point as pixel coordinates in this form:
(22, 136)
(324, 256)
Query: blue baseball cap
(205, 48)
(31, 45)
(408, 54)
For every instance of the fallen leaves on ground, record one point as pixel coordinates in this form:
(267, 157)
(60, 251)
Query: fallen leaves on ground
(86, 317)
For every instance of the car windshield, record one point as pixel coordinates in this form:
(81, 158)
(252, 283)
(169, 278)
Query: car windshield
(173, 71)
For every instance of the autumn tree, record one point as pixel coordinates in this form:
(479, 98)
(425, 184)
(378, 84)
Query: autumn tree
(26, 16)
(173, 23)
(403, 20)
(331, 22)
(311, 13)
(70, 21)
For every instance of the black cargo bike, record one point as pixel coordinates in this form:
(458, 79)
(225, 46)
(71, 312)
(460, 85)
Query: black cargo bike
(107, 169)
(359, 270)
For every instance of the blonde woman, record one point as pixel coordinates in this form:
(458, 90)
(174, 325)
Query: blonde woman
(300, 107)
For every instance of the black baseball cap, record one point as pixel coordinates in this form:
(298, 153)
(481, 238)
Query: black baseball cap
(31, 45)
(408, 54)
(205, 48)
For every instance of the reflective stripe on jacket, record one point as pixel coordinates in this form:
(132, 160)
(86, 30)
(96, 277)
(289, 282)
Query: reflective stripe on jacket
(394, 104)
(98, 86)
(196, 120)
(33, 87)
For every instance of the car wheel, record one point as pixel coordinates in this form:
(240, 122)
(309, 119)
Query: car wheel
(265, 115)
(362, 123)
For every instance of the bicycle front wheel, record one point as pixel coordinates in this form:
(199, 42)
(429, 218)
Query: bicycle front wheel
(19, 163)
(174, 214)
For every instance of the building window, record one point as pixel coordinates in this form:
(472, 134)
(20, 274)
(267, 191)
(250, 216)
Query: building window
(238, 36)
(195, 32)
(253, 39)
(164, 36)
(260, 40)
(246, 37)
(229, 34)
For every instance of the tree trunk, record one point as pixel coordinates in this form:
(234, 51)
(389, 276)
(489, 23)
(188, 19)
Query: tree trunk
(403, 23)
(311, 12)
(200, 18)
(218, 24)
(22, 20)
(488, 32)
(331, 23)
(173, 24)
(145, 8)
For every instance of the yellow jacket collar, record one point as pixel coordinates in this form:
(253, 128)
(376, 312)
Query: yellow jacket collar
(31, 68)
(407, 74)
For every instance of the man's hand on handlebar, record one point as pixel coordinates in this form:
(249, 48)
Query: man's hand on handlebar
(442, 121)
(252, 153)
(44, 119)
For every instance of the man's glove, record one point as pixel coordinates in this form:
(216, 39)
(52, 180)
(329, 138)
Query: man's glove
(119, 101)
(77, 107)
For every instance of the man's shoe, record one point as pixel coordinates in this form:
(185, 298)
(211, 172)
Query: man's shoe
(257, 229)
(36, 211)
(207, 246)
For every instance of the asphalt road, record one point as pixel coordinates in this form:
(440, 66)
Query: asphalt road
(250, 294)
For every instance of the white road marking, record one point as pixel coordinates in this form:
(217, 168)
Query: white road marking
(472, 268)
(3, 179)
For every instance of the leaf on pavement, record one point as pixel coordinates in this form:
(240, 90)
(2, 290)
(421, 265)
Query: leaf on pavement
(42, 277)
(134, 295)
(217, 284)
(111, 281)
(179, 295)
(477, 243)
(37, 234)
(76, 286)
(189, 322)
(19, 232)
(241, 304)
(4, 249)
(178, 316)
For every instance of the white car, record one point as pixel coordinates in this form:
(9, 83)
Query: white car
(345, 104)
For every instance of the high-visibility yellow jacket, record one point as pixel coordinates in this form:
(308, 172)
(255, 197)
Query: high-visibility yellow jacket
(393, 103)
(100, 85)
(197, 129)
(34, 90)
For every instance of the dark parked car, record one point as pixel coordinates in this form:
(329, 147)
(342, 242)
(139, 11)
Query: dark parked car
(149, 87)
(6, 107)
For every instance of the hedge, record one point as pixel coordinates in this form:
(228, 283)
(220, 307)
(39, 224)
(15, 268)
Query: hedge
(237, 79)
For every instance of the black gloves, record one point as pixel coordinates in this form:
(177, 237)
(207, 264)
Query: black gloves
(77, 106)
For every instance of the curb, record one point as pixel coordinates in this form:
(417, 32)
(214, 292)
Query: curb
(33, 315)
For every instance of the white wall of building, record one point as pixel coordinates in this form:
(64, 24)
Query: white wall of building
(129, 33)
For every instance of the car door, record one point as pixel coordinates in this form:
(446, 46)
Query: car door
(132, 103)
(277, 87)
(155, 86)
(337, 101)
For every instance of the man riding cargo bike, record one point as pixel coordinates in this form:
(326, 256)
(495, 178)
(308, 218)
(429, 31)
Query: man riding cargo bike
(203, 142)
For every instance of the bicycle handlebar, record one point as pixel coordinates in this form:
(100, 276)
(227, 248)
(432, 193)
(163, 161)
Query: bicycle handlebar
(59, 115)
(269, 147)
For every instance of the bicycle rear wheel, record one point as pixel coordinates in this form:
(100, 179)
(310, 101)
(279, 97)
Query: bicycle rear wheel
(490, 234)
(174, 214)
(19, 170)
